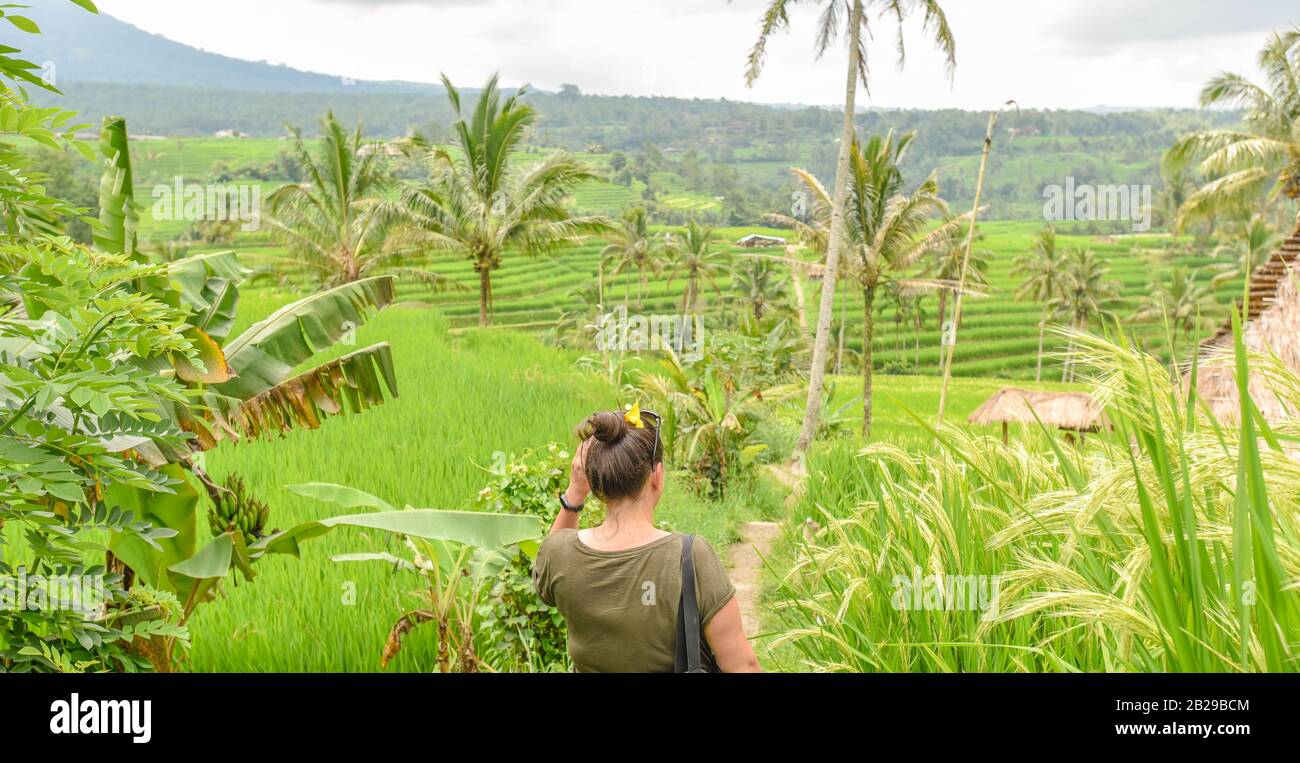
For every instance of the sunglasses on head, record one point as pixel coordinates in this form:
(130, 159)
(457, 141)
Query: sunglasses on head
(656, 419)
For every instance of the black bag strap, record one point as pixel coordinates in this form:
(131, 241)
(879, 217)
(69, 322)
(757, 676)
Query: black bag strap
(688, 615)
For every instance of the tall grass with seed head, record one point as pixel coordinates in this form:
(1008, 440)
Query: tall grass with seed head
(1169, 543)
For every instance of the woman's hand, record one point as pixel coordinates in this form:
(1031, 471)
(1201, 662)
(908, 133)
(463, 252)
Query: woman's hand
(576, 493)
(578, 490)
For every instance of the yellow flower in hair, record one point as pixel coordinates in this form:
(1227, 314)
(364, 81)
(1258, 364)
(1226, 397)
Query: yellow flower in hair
(633, 416)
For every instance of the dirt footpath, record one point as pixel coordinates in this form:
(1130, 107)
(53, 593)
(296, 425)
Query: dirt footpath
(745, 567)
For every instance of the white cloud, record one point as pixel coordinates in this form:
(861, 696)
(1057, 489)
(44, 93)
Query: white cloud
(1102, 24)
(1042, 54)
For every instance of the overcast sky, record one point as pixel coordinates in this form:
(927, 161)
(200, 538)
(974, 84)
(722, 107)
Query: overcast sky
(1043, 53)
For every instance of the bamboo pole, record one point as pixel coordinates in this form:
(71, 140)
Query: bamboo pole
(951, 339)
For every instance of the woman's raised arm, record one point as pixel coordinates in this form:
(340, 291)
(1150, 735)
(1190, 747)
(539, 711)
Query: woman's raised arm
(577, 491)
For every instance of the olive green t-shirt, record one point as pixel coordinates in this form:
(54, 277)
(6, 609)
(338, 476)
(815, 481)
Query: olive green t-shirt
(621, 606)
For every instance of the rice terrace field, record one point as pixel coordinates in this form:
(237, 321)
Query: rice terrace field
(330, 431)
(453, 427)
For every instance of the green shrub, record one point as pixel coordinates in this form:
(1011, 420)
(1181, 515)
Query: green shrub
(517, 630)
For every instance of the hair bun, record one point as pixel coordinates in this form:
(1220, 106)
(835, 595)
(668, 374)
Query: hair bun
(608, 426)
(623, 457)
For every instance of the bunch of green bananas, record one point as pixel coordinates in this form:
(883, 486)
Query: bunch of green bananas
(236, 510)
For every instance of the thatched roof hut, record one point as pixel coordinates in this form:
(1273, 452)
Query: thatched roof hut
(1077, 411)
(1273, 326)
(758, 239)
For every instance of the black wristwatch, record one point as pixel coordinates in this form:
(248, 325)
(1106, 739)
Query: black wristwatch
(567, 507)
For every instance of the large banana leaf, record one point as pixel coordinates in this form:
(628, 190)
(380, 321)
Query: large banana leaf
(195, 579)
(340, 495)
(266, 354)
(118, 218)
(209, 285)
(349, 384)
(177, 511)
(480, 529)
(209, 367)
(206, 283)
(214, 560)
(443, 552)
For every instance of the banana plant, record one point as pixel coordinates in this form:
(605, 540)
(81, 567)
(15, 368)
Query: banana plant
(450, 541)
(707, 421)
(452, 552)
(241, 386)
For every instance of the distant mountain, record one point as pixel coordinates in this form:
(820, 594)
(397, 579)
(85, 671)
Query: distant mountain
(84, 47)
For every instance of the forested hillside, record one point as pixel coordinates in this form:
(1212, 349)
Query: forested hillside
(735, 157)
(740, 151)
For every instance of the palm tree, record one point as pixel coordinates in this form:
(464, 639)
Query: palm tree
(906, 304)
(213, 231)
(885, 236)
(336, 221)
(1261, 160)
(633, 247)
(479, 202)
(1178, 186)
(583, 311)
(1044, 271)
(759, 282)
(813, 229)
(945, 267)
(695, 258)
(1250, 243)
(1178, 302)
(830, 25)
(1084, 296)
(869, 209)
(708, 417)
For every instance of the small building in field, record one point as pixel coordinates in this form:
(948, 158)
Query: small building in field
(382, 149)
(1272, 326)
(1075, 411)
(757, 240)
